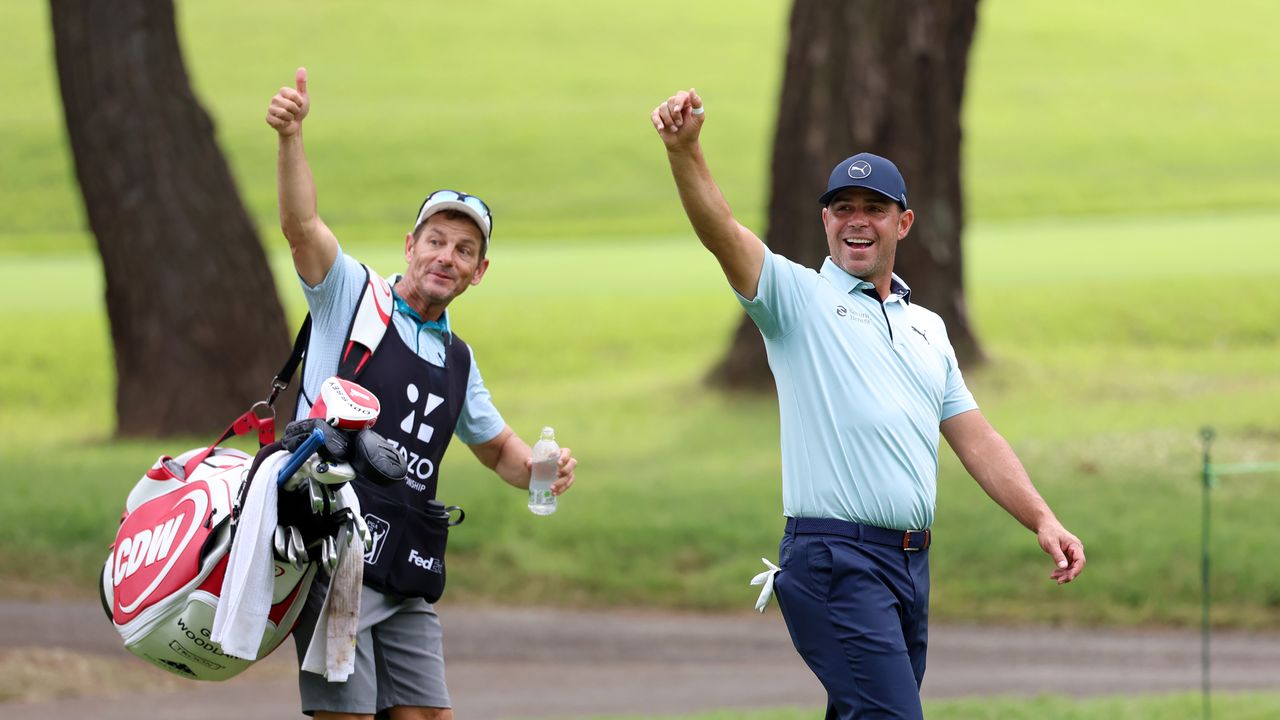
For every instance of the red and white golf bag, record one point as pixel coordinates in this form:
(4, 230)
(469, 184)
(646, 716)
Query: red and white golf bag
(162, 582)
(168, 568)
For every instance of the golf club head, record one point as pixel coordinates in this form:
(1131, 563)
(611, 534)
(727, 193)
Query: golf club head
(345, 405)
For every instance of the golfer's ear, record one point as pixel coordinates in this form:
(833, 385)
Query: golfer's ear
(408, 246)
(905, 221)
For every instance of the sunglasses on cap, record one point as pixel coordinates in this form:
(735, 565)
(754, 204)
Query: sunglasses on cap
(453, 196)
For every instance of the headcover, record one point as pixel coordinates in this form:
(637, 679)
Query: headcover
(345, 405)
(376, 460)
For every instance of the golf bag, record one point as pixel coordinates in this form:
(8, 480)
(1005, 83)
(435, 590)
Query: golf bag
(167, 571)
(163, 579)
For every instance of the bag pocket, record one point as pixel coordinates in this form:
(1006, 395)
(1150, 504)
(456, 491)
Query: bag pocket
(407, 557)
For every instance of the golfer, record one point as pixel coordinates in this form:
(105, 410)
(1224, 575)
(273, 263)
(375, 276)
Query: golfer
(430, 390)
(866, 379)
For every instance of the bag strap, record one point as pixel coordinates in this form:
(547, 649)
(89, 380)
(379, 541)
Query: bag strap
(261, 416)
(251, 420)
(368, 324)
(290, 366)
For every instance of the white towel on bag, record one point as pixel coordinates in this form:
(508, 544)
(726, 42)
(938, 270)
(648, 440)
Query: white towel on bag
(241, 618)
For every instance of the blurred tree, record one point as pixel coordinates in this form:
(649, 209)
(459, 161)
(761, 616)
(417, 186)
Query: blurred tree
(196, 324)
(882, 77)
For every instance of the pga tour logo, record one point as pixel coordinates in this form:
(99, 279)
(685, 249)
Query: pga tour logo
(378, 529)
(153, 541)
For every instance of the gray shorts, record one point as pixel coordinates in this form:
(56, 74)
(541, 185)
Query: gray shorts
(399, 657)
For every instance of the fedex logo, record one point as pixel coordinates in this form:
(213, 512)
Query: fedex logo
(435, 565)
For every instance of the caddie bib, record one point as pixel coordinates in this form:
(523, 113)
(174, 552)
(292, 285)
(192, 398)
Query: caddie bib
(421, 404)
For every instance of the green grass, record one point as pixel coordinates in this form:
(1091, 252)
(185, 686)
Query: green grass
(1122, 264)
(1074, 110)
(678, 493)
(1244, 706)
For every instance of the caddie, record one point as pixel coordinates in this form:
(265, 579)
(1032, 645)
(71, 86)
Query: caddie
(866, 380)
(430, 388)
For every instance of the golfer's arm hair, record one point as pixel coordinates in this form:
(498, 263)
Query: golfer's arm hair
(738, 250)
(311, 243)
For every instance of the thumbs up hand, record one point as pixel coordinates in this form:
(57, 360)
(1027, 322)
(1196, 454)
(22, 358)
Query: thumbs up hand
(289, 106)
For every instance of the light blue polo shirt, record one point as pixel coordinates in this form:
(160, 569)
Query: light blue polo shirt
(862, 388)
(332, 304)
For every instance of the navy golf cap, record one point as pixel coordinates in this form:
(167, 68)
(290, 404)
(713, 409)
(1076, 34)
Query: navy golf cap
(869, 171)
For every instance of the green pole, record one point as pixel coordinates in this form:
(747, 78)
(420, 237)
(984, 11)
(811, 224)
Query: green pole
(1206, 434)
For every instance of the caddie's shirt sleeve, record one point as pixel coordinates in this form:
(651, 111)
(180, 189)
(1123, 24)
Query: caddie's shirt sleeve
(331, 302)
(480, 420)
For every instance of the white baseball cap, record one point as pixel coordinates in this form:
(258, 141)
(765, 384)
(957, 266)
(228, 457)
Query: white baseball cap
(470, 205)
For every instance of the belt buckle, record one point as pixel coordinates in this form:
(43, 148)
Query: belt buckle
(906, 540)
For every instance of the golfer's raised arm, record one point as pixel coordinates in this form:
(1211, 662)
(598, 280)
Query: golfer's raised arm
(313, 245)
(679, 122)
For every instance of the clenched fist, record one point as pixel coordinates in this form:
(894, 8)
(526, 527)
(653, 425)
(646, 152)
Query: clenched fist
(679, 119)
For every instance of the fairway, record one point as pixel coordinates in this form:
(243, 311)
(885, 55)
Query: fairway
(1106, 427)
(1121, 263)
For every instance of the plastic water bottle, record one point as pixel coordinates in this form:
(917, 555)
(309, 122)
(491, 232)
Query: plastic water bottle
(546, 466)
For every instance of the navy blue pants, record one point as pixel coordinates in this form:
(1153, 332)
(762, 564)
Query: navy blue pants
(858, 612)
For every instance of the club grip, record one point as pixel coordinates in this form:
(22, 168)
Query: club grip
(304, 451)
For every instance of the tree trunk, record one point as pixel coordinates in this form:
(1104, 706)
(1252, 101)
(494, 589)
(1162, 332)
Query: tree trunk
(196, 324)
(881, 77)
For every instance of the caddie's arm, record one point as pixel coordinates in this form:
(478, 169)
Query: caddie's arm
(679, 122)
(989, 459)
(512, 459)
(311, 242)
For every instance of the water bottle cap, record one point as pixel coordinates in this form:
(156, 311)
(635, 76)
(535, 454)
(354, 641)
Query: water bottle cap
(548, 433)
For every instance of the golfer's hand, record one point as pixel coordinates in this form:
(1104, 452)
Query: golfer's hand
(675, 120)
(1066, 550)
(290, 106)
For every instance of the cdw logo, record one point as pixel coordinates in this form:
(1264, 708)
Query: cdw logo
(152, 540)
(146, 547)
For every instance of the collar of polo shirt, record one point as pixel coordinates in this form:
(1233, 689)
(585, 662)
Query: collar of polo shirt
(846, 283)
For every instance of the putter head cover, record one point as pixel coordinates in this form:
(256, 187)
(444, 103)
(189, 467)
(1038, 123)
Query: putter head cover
(337, 443)
(375, 459)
